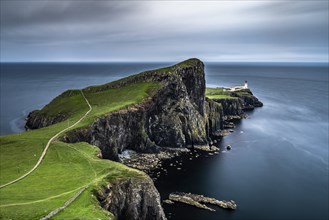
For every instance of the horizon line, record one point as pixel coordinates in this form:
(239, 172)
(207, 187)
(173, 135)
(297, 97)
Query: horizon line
(158, 61)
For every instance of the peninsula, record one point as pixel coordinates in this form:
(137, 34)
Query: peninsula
(79, 139)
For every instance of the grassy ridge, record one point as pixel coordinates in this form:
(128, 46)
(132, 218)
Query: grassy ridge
(148, 74)
(66, 167)
(71, 103)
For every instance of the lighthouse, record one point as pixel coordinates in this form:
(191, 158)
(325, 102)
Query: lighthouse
(246, 84)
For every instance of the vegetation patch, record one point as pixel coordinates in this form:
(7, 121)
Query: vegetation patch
(243, 93)
(218, 93)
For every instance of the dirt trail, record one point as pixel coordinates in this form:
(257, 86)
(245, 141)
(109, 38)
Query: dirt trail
(48, 143)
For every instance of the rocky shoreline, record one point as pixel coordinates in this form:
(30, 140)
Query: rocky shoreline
(199, 201)
(148, 162)
(151, 163)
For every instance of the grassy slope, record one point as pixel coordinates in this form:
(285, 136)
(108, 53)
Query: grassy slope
(217, 93)
(66, 167)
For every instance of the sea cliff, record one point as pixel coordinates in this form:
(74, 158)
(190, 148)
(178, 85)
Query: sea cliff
(175, 115)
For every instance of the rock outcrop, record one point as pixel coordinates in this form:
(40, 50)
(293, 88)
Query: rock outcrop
(249, 100)
(40, 118)
(135, 198)
(36, 120)
(200, 201)
(232, 108)
(214, 118)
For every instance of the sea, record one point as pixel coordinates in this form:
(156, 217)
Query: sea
(278, 166)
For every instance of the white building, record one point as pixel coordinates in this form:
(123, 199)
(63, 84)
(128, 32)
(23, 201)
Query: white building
(246, 84)
(237, 88)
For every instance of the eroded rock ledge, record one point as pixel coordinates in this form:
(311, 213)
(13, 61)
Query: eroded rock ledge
(199, 201)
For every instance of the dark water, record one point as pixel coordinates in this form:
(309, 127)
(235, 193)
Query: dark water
(278, 167)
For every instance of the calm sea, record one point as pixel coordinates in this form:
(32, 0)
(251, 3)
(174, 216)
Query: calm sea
(278, 167)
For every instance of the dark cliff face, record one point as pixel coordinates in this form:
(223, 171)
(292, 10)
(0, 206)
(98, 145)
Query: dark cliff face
(232, 107)
(173, 117)
(132, 199)
(36, 120)
(194, 82)
(214, 118)
(248, 99)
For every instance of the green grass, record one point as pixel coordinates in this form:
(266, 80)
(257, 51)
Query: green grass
(85, 207)
(71, 99)
(114, 99)
(243, 93)
(72, 104)
(148, 74)
(218, 93)
(66, 167)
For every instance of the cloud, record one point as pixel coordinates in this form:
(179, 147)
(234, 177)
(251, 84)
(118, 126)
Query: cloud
(292, 8)
(21, 13)
(164, 30)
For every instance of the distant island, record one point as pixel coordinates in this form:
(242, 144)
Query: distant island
(88, 152)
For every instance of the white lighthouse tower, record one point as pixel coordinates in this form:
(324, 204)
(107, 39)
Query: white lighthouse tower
(245, 84)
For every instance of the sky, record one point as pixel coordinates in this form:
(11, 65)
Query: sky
(110, 31)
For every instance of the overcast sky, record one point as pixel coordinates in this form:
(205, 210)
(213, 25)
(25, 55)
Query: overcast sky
(59, 30)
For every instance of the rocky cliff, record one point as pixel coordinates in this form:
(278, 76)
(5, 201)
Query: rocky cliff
(173, 117)
(176, 115)
(132, 199)
(36, 120)
(214, 118)
(249, 101)
(232, 108)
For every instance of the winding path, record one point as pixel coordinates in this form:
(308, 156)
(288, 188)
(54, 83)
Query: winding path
(67, 203)
(48, 143)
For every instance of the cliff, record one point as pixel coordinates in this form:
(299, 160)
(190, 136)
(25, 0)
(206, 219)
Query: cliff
(232, 108)
(173, 116)
(249, 101)
(214, 118)
(132, 199)
(175, 113)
